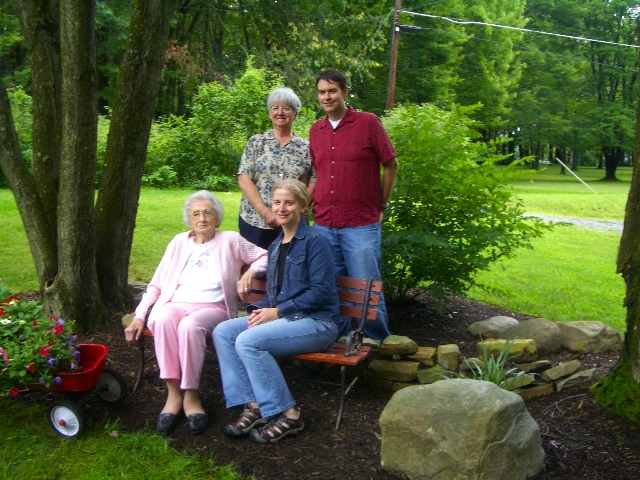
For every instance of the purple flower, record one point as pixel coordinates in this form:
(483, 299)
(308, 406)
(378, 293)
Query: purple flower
(76, 355)
(73, 366)
(73, 338)
(61, 321)
(51, 362)
(57, 380)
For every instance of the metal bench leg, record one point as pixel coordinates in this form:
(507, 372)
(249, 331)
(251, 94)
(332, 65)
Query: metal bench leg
(343, 381)
(141, 364)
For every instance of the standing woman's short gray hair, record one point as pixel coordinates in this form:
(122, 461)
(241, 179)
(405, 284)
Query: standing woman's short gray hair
(285, 95)
(206, 196)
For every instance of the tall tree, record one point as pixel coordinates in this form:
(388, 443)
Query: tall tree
(620, 390)
(56, 201)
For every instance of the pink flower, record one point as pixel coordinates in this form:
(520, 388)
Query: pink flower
(58, 330)
(31, 368)
(1, 312)
(35, 323)
(44, 351)
(52, 342)
(14, 392)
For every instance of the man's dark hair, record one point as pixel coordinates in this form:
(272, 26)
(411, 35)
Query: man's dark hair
(333, 76)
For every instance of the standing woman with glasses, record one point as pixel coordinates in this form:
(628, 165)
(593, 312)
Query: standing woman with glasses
(195, 287)
(269, 158)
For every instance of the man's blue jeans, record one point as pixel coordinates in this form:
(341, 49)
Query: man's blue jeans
(356, 253)
(247, 357)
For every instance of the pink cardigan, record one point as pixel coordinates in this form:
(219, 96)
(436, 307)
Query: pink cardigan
(230, 252)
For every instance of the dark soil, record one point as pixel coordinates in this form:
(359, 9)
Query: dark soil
(581, 440)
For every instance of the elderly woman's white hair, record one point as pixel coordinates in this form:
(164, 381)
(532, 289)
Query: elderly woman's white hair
(206, 196)
(285, 95)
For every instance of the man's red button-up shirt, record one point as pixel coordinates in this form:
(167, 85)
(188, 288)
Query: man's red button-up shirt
(347, 160)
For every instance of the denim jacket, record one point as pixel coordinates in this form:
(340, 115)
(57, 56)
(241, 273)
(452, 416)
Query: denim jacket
(309, 282)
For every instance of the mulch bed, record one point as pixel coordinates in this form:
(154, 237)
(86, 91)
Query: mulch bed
(581, 440)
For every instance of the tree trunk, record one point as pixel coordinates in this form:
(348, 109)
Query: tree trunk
(74, 290)
(40, 232)
(40, 22)
(133, 109)
(612, 156)
(620, 390)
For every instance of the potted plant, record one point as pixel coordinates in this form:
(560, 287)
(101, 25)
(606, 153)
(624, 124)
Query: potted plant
(33, 346)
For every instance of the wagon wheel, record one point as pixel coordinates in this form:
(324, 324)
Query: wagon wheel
(111, 387)
(66, 419)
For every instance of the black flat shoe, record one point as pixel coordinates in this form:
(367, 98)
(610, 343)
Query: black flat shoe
(167, 422)
(198, 422)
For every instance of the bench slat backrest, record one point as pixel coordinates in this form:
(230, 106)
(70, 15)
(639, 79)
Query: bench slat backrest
(350, 290)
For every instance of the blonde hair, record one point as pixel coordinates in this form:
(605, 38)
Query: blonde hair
(299, 192)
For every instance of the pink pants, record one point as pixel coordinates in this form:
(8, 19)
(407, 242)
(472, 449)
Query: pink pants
(180, 332)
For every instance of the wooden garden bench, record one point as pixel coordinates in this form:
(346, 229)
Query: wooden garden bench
(358, 299)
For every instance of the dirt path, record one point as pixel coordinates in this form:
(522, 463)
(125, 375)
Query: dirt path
(600, 225)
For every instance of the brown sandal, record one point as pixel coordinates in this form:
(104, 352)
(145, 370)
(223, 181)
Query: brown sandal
(277, 429)
(249, 419)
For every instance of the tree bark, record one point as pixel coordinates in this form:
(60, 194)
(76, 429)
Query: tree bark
(40, 232)
(133, 109)
(74, 290)
(40, 22)
(620, 390)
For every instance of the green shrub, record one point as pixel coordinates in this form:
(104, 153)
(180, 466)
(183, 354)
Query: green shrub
(204, 150)
(449, 215)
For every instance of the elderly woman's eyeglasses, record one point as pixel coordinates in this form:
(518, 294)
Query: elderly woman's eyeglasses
(285, 109)
(203, 214)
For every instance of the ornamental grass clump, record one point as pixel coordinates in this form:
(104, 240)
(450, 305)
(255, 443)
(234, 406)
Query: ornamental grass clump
(33, 346)
(494, 368)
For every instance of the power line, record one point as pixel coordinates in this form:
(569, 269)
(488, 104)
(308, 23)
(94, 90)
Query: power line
(471, 22)
(413, 28)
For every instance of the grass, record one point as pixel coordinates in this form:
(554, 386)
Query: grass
(569, 274)
(30, 449)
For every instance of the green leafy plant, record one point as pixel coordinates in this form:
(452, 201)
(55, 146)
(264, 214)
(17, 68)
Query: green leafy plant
(494, 368)
(450, 215)
(33, 346)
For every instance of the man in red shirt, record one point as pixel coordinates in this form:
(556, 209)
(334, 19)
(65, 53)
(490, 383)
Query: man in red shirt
(347, 149)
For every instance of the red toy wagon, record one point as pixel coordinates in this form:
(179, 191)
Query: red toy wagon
(92, 378)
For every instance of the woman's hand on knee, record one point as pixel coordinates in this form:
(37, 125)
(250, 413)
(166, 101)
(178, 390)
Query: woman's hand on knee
(262, 315)
(133, 331)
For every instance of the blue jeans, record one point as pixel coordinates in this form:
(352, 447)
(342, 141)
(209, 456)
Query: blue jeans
(247, 357)
(356, 253)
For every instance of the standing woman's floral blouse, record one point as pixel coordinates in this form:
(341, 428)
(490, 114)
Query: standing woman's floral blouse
(267, 162)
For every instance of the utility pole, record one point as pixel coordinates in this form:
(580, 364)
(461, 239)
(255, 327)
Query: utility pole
(393, 61)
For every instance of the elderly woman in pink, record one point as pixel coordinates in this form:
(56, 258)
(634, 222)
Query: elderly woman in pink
(195, 287)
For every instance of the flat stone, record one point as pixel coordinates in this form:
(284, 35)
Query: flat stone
(560, 371)
(449, 356)
(491, 327)
(536, 391)
(535, 367)
(398, 345)
(522, 350)
(580, 380)
(425, 355)
(401, 371)
(433, 374)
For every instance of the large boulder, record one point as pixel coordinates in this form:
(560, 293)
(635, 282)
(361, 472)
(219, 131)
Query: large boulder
(590, 337)
(545, 333)
(492, 327)
(459, 429)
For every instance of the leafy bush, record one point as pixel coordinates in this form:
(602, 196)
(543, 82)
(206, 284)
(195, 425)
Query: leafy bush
(204, 150)
(450, 215)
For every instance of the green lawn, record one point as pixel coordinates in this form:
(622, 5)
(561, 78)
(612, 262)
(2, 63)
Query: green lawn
(568, 275)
